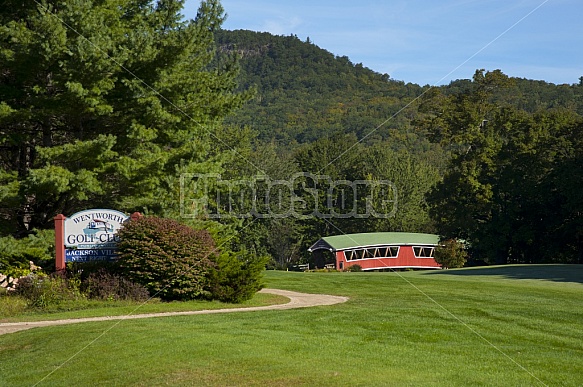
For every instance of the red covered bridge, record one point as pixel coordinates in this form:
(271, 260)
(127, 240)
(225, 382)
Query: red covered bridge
(381, 250)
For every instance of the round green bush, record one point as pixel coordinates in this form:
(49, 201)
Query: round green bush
(237, 276)
(171, 260)
(451, 254)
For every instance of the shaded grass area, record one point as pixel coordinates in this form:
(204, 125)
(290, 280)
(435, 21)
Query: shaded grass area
(555, 273)
(397, 329)
(91, 308)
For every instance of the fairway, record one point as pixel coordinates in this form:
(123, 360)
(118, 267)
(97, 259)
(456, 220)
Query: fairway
(513, 325)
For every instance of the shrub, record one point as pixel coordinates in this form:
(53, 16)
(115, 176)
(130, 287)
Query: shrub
(236, 276)
(354, 268)
(43, 291)
(85, 269)
(16, 254)
(450, 254)
(170, 259)
(103, 285)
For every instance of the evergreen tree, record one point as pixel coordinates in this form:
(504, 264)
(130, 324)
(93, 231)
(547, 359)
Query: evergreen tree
(105, 104)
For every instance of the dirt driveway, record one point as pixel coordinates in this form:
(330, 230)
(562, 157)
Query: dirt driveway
(297, 300)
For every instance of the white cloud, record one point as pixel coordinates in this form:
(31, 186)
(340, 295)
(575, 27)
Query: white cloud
(281, 25)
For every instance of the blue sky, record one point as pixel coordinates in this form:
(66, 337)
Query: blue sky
(429, 41)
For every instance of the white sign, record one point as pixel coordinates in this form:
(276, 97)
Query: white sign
(93, 229)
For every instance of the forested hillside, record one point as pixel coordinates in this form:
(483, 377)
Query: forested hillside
(493, 160)
(305, 92)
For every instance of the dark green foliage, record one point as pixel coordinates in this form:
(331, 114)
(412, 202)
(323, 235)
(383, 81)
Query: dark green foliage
(354, 268)
(237, 276)
(106, 286)
(16, 254)
(284, 240)
(171, 260)
(526, 94)
(507, 190)
(84, 269)
(451, 254)
(105, 104)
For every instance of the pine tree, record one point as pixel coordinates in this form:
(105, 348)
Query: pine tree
(105, 104)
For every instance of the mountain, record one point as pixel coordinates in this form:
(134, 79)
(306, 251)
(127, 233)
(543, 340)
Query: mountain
(304, 93)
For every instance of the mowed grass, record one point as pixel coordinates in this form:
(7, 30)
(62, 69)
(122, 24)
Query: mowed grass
(412, 328)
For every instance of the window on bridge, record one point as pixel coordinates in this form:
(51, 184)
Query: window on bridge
(423, 252)
(372, 253)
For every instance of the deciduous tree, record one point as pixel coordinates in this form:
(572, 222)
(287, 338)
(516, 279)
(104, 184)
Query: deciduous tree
(502, 191)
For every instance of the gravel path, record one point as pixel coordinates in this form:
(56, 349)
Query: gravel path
(297, 300)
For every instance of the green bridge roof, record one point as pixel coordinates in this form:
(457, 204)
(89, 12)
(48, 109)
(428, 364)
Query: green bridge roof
(350, 241)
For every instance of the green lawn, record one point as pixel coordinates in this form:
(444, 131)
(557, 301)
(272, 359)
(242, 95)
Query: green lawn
(500, 326)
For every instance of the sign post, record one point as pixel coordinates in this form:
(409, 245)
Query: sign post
(60, 242)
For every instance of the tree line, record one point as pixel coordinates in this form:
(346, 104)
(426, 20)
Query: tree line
(512, 187)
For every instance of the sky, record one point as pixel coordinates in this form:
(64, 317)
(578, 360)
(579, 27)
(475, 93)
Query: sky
(429, 42)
